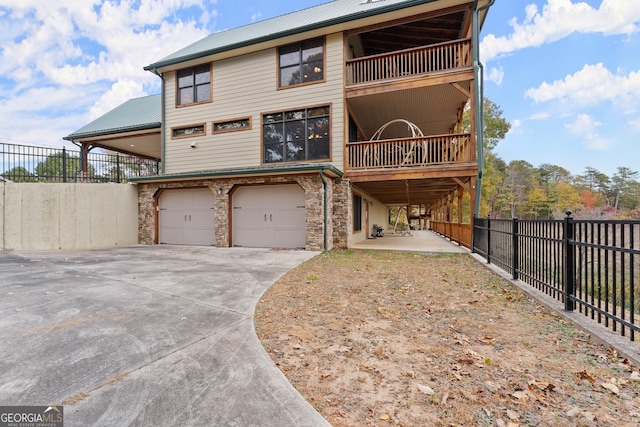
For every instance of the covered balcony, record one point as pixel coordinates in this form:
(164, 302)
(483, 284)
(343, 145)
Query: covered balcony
(410, 63)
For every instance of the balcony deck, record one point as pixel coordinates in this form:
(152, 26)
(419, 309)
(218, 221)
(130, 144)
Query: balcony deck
(421, 152)
(410, 63)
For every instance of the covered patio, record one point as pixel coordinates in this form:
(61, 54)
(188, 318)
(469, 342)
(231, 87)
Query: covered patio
(415, 241)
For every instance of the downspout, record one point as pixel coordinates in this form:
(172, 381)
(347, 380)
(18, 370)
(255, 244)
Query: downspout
(326, 209)
(478, 70)
(162, 120)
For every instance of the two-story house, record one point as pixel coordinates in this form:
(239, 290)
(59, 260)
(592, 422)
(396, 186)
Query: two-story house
(303, 130)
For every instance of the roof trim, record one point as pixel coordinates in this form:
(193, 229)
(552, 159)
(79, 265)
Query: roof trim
(113, 131)
(228, 173)
(297, 30)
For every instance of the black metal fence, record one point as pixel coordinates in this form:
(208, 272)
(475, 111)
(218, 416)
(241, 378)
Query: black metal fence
(591, 266)
(23, 163)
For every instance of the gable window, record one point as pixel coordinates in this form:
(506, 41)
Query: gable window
(188, 131)
(301, 63)
(194, 85)
(357, 213)
(297, 135)
(232, 125)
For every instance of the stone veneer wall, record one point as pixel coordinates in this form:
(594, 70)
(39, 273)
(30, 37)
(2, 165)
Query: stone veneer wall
(342, 207)
(311, 184)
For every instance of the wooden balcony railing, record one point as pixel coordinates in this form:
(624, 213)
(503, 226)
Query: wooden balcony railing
(411, 152)
(409, 63)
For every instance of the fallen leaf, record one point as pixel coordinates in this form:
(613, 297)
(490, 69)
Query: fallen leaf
(426, 389)
(385, 417)
(492, 387)
(487, 340)
(542, 385)
(472, 397)
(513, 415)
(520, 395)
(573, 411)
(611, 387)
(583, 375)
(444, 399)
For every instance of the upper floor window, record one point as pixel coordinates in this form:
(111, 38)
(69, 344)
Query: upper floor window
(194, 84)
(296, 135)
(301, 63)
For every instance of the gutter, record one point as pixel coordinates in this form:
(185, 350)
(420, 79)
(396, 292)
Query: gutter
(478, 70)
(229, 173)
(162, 119)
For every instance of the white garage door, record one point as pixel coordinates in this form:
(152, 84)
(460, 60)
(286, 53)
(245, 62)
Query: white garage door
(187, 217)
(269, 216)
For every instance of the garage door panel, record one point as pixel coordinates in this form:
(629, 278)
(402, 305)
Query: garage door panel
(285, 217)
(186, 217)
(202, 218)
(203, 199)
(269, 216)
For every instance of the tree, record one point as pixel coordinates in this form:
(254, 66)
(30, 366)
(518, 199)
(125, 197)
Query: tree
(623, 184)
(58, 166)
(19, 174)
(495, 126)
(495, 129)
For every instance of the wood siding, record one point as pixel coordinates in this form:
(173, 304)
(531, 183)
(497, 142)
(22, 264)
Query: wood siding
(246, 86)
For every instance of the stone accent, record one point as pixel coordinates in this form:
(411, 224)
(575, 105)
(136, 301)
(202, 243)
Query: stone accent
(314, 203)
(342, 212)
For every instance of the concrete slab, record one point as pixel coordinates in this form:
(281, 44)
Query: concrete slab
(416, 241)
(145, 335)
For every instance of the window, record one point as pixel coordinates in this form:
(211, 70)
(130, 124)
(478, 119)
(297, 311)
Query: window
(301, 63)
(357, 213)
(194, 85)
(232, 125)
(297, 135)
(187, 131)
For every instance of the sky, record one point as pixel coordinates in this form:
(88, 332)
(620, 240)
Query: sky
(566, 73)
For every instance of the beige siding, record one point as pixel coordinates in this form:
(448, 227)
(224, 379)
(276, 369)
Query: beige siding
(246, 86)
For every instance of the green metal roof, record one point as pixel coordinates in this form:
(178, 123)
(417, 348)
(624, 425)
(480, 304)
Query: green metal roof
(135, 114)
(324, 15)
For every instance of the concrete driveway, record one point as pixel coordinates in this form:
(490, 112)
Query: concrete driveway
(144, 336)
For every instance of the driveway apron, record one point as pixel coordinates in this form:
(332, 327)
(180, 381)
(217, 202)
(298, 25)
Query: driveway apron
(145, 336)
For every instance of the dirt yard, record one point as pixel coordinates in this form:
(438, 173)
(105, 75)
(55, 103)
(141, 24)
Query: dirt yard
(377, 338)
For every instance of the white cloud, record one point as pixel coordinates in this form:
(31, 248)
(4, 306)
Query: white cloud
(496, 75)
(86, 56)
(635, 124)
(120, 92)
(591, 85)
(560, 18)
(585, 127)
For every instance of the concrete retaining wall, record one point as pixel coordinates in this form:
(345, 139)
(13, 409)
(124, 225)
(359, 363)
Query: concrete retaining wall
(43, 216)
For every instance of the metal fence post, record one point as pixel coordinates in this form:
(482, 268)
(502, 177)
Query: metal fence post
(569, 263)
(488, 238)
(118, 168)
(64, 165)
(516, 249)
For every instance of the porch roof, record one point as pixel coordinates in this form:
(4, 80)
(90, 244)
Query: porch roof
(135, 114)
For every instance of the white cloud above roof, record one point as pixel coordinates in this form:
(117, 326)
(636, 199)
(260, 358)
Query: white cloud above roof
(591, 85)
(559, 19)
